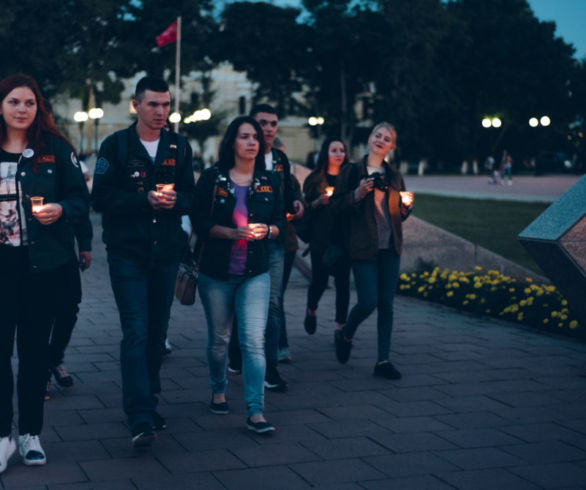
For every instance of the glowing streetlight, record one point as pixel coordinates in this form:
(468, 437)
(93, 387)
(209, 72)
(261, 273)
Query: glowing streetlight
(175, 117)
(315, 121)
(80, 117)
(496, 122)
(486, 122)
(199, 115)
(545, 121)
(533, 122)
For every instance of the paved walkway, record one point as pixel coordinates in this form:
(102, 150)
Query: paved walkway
(546, 188)
(482, 405)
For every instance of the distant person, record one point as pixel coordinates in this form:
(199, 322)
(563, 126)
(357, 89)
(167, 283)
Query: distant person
(144, 241)
(507, 168)
(238, 213)
(490, 167)
(325, 230)
(371, 196)
(42, 192)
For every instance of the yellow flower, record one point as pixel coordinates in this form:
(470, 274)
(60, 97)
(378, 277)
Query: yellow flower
(546, 321)
(404, 277)
(511, 290)
(449, 294)
(431, 280)
(528, 279)
(477, 268)
(465, 302)
(554, 314)
(564, 302)
(520, 317)
(487, 311)
(573, 324)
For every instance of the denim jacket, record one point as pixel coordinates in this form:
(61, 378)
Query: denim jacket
(265, 205)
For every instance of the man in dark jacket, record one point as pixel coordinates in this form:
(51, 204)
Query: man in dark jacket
(144, 241)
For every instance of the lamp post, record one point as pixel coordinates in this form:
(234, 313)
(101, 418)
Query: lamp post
(80, 117)
(316, 122)
(96, 114)
(534, 122)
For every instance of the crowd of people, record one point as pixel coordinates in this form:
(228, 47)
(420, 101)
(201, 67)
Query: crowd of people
(244, 211)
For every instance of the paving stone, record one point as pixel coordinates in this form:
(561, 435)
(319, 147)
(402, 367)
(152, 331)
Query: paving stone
(345, 448)
(143, 466)
(19, 476)
(279, 477)
(479, 458)
(546, 452)
(192, 481)
(110, 485)
(412, 424)
(486, 480)
(541, 432)
(184, 462)
(328, 472)
(413, 442)
(274, 454)
(471, 438)
(553, 475)
(347, 428)
(93, 431)
(410, 464)
(412, 483)
(472, 420)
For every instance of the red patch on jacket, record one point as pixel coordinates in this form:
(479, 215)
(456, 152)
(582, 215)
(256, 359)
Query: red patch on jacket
(170, 162)
(47, 159)
(265, 188)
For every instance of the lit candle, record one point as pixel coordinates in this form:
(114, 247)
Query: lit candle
(329, 190)
(164, 188)
(406, 198)
(36, 204)
(289, 216)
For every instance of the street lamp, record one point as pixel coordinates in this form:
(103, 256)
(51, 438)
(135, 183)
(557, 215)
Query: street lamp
(533, 122)
(545, 121)
(316, 122)
(80, 117)
(96, 113)
(496, 122)
(174, 117)
(199, 115)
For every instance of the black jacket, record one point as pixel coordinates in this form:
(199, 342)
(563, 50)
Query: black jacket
(55, 174)
(132, 228)
(361, 236)
(265, 205)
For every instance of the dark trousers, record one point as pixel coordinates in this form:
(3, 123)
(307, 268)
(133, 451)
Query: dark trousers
(66, 310)
(376, 282)
(289, 261)
(319, 282)
(26, 301)
(144, 294)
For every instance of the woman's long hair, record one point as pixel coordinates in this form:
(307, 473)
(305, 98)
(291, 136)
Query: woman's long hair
(323, 158)
(43, 124)
(226, 152)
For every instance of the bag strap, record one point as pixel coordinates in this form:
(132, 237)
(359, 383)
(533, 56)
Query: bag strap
(200, 255)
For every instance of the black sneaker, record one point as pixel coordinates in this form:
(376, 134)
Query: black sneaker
(273, 380)
(343, 347)
(310, 323)
(385, 369)
(143, 435)
(260, 427)
(62, 376)
(159, 423)
(219, 408)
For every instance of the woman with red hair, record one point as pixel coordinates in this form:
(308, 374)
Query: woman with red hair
(42, 193)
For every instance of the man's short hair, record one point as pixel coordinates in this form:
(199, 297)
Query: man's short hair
(269, 109)
(154, 84)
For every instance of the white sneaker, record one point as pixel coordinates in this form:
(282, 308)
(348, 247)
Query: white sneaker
(7, 448)
(31, 451)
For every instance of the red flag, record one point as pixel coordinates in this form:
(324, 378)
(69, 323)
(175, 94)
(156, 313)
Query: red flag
(168, 36)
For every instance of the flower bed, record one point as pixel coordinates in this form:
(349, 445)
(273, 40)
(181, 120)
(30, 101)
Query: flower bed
(492, 294)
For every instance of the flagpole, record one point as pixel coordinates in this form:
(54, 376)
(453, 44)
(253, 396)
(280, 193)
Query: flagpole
(178, 70)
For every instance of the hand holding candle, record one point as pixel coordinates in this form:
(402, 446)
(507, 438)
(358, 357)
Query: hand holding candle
(329, 190)
(407, 198)
(36, 204)
(166, 196)
(260, 230)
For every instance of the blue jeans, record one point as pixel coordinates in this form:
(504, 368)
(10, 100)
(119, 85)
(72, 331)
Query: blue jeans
(276, 314)
(376, 282)
(144, 294)
(248, 299)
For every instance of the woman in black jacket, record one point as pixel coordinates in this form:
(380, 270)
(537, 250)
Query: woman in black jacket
(238, 208)
(318, 187)
(36, 246)
(372, 199)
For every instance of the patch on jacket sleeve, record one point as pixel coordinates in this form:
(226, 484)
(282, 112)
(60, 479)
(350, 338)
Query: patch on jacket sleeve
(102, 166)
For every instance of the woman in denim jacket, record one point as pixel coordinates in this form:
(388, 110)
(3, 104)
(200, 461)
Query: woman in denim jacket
(371, 196)
(238, 208)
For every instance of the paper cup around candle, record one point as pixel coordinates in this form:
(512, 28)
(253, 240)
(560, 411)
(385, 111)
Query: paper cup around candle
(329, 190)
(36, 203)
(256, 227)
(406, 198)
(289, 216)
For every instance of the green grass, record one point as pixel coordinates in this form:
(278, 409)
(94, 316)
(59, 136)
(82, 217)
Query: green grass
(489, 223)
